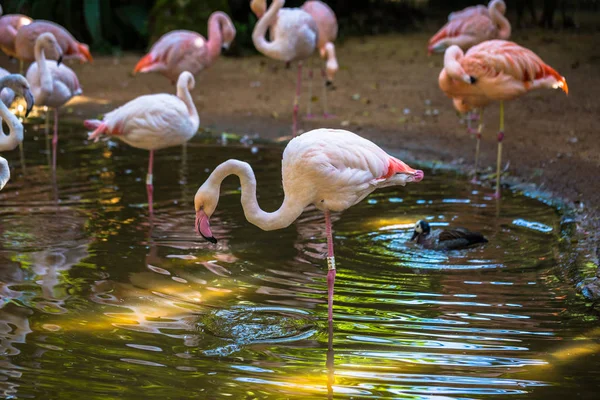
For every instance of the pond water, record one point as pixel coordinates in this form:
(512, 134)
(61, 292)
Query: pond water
(99, 301)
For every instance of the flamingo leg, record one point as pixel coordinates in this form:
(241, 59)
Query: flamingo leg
(297, 100)
(499, 159)
(149, 185)
(325, 102)
(310, 90)
(330, 265)
(55, 139)
(477, 146)
(21, 65)
(22, 155)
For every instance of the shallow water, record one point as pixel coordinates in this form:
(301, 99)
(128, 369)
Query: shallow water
(100, 302)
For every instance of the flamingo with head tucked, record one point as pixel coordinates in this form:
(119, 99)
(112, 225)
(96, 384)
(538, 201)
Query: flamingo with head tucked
(496, 70)
(329, 168)
(470, 27)
(52, 84)
(294, 37)
(182, 50)
(19, 86)
(152, 122)
(9, 26)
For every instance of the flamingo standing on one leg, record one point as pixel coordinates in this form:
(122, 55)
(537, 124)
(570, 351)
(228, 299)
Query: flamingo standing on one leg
(9, 26)
(294, 36)
(497, 70)
(52, 84)
(182, 50)
(19, 86)
(327, 26)
(153, 122)
(332, 169)
(469, 28)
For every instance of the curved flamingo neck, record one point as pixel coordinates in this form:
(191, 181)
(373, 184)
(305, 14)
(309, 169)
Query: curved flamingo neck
(215, 34)
(289, 211)
(45, 88)
(183, 92)
(497, 16)
(15, 136)
(270, 49)
(452, 65)
(4, 172)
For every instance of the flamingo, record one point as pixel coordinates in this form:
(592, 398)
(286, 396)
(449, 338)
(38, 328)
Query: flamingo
(294, 37)
(332, 169)
(19, 86)
(152, 122)
(52, 84)
(27, 38)
(496, 70)
(479, 9)
(470, 27)
(9, 25)
(182, 50)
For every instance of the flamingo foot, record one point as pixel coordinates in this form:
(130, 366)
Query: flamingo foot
(474, 181)
(497, 195)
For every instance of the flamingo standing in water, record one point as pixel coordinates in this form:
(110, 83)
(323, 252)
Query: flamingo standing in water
(328, 29)
(496, 70)
(294, 36)
(332, 169)
(470, 27)
(52, 84)
(182, 50)
(18, 86)
(152, 122)
(9, 26)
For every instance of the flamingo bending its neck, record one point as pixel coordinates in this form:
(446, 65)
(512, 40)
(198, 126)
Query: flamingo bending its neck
(182, 50)
(496, 70)
(52, 84)
(471, 27)
(152, 122)
(19, 86)
(9, 26)
(332, 169)
(294, 37)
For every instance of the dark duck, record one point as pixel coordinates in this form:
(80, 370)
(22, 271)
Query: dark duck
(448, 239)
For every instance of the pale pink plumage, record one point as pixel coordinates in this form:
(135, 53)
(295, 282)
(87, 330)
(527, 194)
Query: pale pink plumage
(9, 25)
(471, 27)
(182, 50)
(331, 169)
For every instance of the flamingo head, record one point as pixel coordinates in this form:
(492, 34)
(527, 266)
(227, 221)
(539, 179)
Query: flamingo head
(331, 66)
(228, 34)
(205, 203)
(258, 7)
(499, 5)
(186, 80)
(20, 86)
(51, 47)
(421, 228)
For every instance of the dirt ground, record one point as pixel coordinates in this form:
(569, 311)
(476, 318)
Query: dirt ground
(382, 91)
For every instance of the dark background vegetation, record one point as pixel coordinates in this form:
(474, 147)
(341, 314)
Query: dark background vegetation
(114, 25)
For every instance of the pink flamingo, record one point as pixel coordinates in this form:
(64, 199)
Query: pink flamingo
(469, 28)
(294, 36)
(479, 9)
(9, 25)
(332, 169)
(27, 38)
(182, 50)
(496, 70)
(327, 26)
(52, 84)
(152, 122)
(18, 85)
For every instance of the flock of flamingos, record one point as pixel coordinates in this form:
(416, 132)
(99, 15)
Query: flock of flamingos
(331, 169)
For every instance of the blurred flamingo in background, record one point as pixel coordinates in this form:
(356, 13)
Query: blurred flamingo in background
(332, 169)
(19, 86)
(479, 9)
(27, 38)
(9, 25)
(496, 70)
(470, 27)
(294, 36)
(52, 84)
(182, 50)
(327, 26)
(152, 122)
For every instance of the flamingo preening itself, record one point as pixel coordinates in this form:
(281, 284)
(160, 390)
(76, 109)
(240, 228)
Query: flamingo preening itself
(20, 87)
(152, 122)
(294, 37)
(332, 169)
(182, 50)
(495, 70)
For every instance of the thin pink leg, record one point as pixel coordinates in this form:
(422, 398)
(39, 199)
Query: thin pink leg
(330, 265)
(55, 139)
(297, 100)
(326, 83)
(149, 185)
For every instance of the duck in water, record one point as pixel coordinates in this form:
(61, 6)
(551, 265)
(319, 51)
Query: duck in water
(449, 239)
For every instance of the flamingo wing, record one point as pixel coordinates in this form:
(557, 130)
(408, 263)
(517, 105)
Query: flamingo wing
(464, 32)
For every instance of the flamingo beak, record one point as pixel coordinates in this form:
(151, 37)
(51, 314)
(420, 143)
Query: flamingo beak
(203, 226)
(59, 61)
(414, 236)
(29, 100)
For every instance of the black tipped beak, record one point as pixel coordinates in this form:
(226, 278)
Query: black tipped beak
(414, 236)
(211, 239)
(473, 79)
(30, 102)
(59, 61)
(328, 83)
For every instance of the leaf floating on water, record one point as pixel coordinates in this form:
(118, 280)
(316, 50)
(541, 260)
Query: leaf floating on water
(533, 225)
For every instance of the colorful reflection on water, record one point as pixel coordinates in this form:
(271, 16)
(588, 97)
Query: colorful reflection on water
(99, 301)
